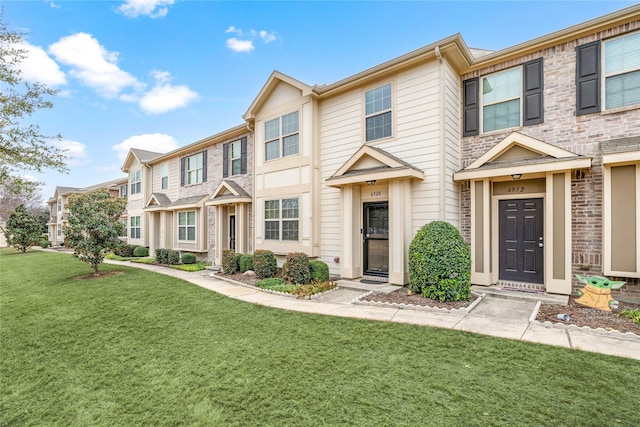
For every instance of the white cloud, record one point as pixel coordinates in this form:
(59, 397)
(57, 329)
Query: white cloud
(151, 8)
(38, 67)
(240, 45)
(157, 142)
(267, 37)
(55, 6)
(75, 152)
(244, 40)
(93, 65)
(165, 97)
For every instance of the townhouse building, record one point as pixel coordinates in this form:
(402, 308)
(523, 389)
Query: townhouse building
(195, 199)
(58, 205)
(551, 151)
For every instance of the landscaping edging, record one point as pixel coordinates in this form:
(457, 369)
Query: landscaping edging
(565, 327)
(464, 310)
(269, 291)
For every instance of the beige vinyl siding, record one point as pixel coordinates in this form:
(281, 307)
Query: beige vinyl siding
(174, 178)
(453, 162)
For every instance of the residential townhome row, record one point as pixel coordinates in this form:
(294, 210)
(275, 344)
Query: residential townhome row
(533, 152)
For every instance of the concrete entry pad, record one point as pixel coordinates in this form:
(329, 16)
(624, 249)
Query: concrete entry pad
(499, 317)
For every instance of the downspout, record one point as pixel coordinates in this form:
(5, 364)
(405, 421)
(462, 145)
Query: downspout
(443, 150)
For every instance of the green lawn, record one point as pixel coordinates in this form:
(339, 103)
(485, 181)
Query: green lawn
(144, 349)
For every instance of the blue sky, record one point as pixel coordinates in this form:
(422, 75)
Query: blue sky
(160, 74)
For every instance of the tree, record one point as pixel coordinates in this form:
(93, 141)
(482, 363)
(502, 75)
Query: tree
(22, 145)
(22, 229)
(94, 228)
(11, 197)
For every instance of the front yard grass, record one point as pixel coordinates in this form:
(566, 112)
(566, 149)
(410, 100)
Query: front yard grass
(140, 348)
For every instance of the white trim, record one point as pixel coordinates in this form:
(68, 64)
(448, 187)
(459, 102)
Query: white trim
(631, 156)
(556, 166)
(559, 286)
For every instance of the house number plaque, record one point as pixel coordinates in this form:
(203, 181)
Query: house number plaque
(516, 189)
(376, 193)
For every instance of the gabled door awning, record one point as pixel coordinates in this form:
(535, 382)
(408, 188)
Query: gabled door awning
(228, 192)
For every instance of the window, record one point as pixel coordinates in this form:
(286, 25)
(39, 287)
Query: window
(378, 112)
(187, 226)
(501, 100)
(123, 190)
(59, 230)
(507, 99)
(59, 204)
(282, 135)
(164, 173)
(135, 227)
(193, 169)
(622, 71)
(281, 219)
(236, 157)
(136, 182)
(123, 232)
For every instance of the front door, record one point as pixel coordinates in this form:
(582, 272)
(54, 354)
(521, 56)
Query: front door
(232, 232)
(376, 238)
(521, 250)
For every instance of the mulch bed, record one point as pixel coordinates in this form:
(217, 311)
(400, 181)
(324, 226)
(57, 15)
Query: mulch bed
(401, 296)
(591, 317)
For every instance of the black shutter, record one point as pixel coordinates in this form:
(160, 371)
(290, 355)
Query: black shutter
(588, 78)
(470, 109)
(533, 87)
(243, 151)
(182, 170)
(225, 160)
(204, 166)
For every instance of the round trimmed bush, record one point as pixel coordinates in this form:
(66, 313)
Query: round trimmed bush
(162, 256)
(188, 258)
(45, 244)
(245, 263)
(440, 263)
(229, 261)
(125, 251)
(173, 257)
(140, 251)
(319, 271)
(296, 268)
(264, 264)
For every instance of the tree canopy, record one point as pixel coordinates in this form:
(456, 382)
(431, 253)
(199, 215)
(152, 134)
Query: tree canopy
(23, 229)
(94, 227)
(22, 144)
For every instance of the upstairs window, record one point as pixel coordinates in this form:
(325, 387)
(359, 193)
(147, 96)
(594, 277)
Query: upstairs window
(282, 135)
(622, 71)
(378, 113)
(501, 100)
(123, 190)
(164, 173)
(136, 182)
(281, 219)
(193, 169)
(234, 155)
(59, 204)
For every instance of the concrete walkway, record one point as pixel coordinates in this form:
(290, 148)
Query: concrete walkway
(494, 315)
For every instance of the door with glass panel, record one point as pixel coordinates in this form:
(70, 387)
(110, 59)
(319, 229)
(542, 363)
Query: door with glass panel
(376, 238)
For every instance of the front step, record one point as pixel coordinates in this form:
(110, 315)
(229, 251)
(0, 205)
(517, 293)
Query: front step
(497, 292)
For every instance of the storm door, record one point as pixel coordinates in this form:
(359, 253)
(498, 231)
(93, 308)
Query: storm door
(376, 239)
(232, 232)
(521, 252)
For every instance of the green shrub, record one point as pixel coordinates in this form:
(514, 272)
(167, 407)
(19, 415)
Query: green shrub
(276, 284)
(633, 315)
(245, 263)
(440, 263)
(296, 268)
(45, 244)
(229, 261)
(188, 258)
(125, 251)
(308, 291)
(319, 271)
(162, 256)
(140, 251)
(264, 264)
(173, 257)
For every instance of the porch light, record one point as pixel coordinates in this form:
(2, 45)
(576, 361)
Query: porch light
(516, 175)
(371, 182)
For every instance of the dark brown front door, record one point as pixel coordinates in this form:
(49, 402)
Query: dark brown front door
(376, 239)
(232, 232)
(521, 245)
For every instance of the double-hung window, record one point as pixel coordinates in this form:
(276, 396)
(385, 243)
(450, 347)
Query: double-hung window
(378, 113)
(136, 182)
(281, 219)
(622, 71)
(194, 169)
(187, 226)
(164, 173)
(135, 227)
(123, 190)
(59, 204)
(282, 135)
(235, 157)
(501, 100)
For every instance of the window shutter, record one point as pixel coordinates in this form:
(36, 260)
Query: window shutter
(532, 91)
(588, 78)
(225, 160)
(243, 159)
(470, 107)
(182, 170)
(204, 166)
